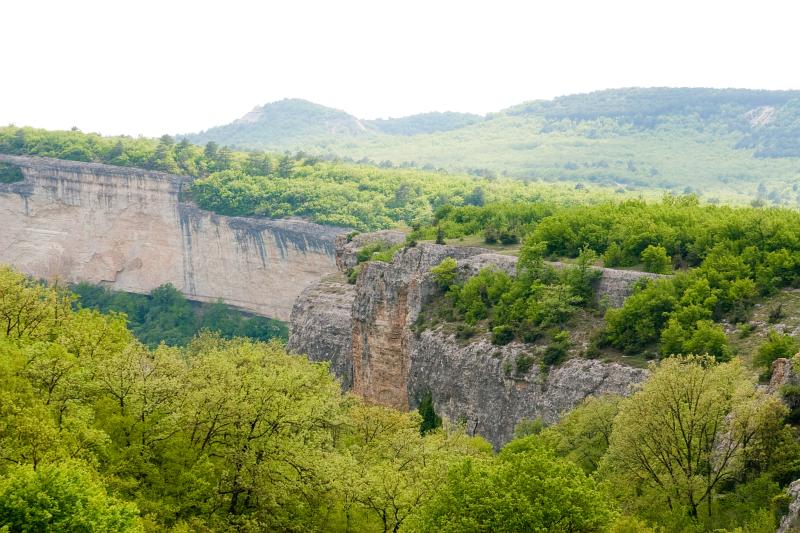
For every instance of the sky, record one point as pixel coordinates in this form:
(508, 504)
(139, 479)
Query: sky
(151, 67)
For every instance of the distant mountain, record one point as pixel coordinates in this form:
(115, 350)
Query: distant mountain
(681, 139)
(294, 122)
(423, 123)
(291, 121)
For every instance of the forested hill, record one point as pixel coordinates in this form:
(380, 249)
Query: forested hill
(717, 141)
(294, 123)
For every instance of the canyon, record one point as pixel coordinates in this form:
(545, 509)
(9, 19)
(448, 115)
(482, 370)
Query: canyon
(366, 331)
(134, 230)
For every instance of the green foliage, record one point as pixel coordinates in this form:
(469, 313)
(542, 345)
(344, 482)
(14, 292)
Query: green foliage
(556, 351)
(240, 183)
(526, 489)
(584, 434)
(636, 138)
(444, 274)
(502, 335)
(524, 363)
(377, 251)
(218, 435)
(776, 346)
(61, 497)
(525, 306)
(655, 259)
(693, 431)
(430, 420)
(10, 173)
(165, 315)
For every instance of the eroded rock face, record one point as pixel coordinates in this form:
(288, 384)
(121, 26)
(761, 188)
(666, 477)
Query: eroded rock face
(130, 230)
(790, 523)
(479, 383)
(390, 364)
(323, 327)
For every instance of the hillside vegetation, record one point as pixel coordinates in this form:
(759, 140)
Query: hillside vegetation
(721, 260)
(165, 315)
(100, 433)
(256, 183)
(730, 145)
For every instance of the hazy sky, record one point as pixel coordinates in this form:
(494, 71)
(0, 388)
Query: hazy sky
(150, 67)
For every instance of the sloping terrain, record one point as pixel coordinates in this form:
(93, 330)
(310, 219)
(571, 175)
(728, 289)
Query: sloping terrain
(731, 144)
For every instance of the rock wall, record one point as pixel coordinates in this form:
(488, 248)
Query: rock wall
(366, 331)
(130, 229)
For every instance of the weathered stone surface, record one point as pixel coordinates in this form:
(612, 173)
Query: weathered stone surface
(346, 247)
(129, 229)
(391, 365)
(478, 383)
(323, 327)
(790, 523)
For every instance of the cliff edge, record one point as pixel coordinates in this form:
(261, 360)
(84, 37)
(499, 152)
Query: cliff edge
(366, 332)
(132, 230)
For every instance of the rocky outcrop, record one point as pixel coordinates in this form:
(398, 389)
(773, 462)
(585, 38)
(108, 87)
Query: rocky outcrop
(480, 384)
(132, 230)
(377, 353)
(323, 327)
(790, 523)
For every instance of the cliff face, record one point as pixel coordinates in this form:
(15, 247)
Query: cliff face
(130, 230)
(366, 332)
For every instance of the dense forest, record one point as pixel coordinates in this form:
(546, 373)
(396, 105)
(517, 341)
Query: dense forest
(100, 433)
(729, 145)
(165, 315)
(330, 192)
(721, 262)
(123, 412)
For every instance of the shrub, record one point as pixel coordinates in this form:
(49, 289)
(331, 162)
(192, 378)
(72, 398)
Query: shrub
(556, 352)
(524, 363)
(465, 331)
(776, 346)
(352, 274)
(506, 237)
(775, 314)
(444, 274)
(10, 173)
(656, 260)
(502, 335)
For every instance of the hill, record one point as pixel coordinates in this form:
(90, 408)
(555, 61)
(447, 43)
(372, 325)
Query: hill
(730, 144)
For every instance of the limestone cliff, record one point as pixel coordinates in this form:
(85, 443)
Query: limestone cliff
(366, 332)
(131, 230)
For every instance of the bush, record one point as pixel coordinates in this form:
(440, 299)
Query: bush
(524, 363)
(556, 352)
(775, 314)
(776, 346)
(352, 274)
(465, 331)
(61, 497)
(502, 335)
(507, 237)
(10, 173)
(656, 260)
(444, 274)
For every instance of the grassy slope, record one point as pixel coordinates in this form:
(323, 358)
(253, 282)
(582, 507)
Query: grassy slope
(658, 138)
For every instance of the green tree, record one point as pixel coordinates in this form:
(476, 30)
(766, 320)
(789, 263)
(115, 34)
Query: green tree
(776, 346)
(584, 434)
(444, 274)
(430, 420)
(61, 497)
(685, 434)
(655, 259)
(526, 489)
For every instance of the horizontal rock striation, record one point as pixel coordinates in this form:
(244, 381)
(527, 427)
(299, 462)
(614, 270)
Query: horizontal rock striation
(132, 230)
(367, 333)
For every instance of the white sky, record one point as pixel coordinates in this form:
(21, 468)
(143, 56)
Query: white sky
(150, 67)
